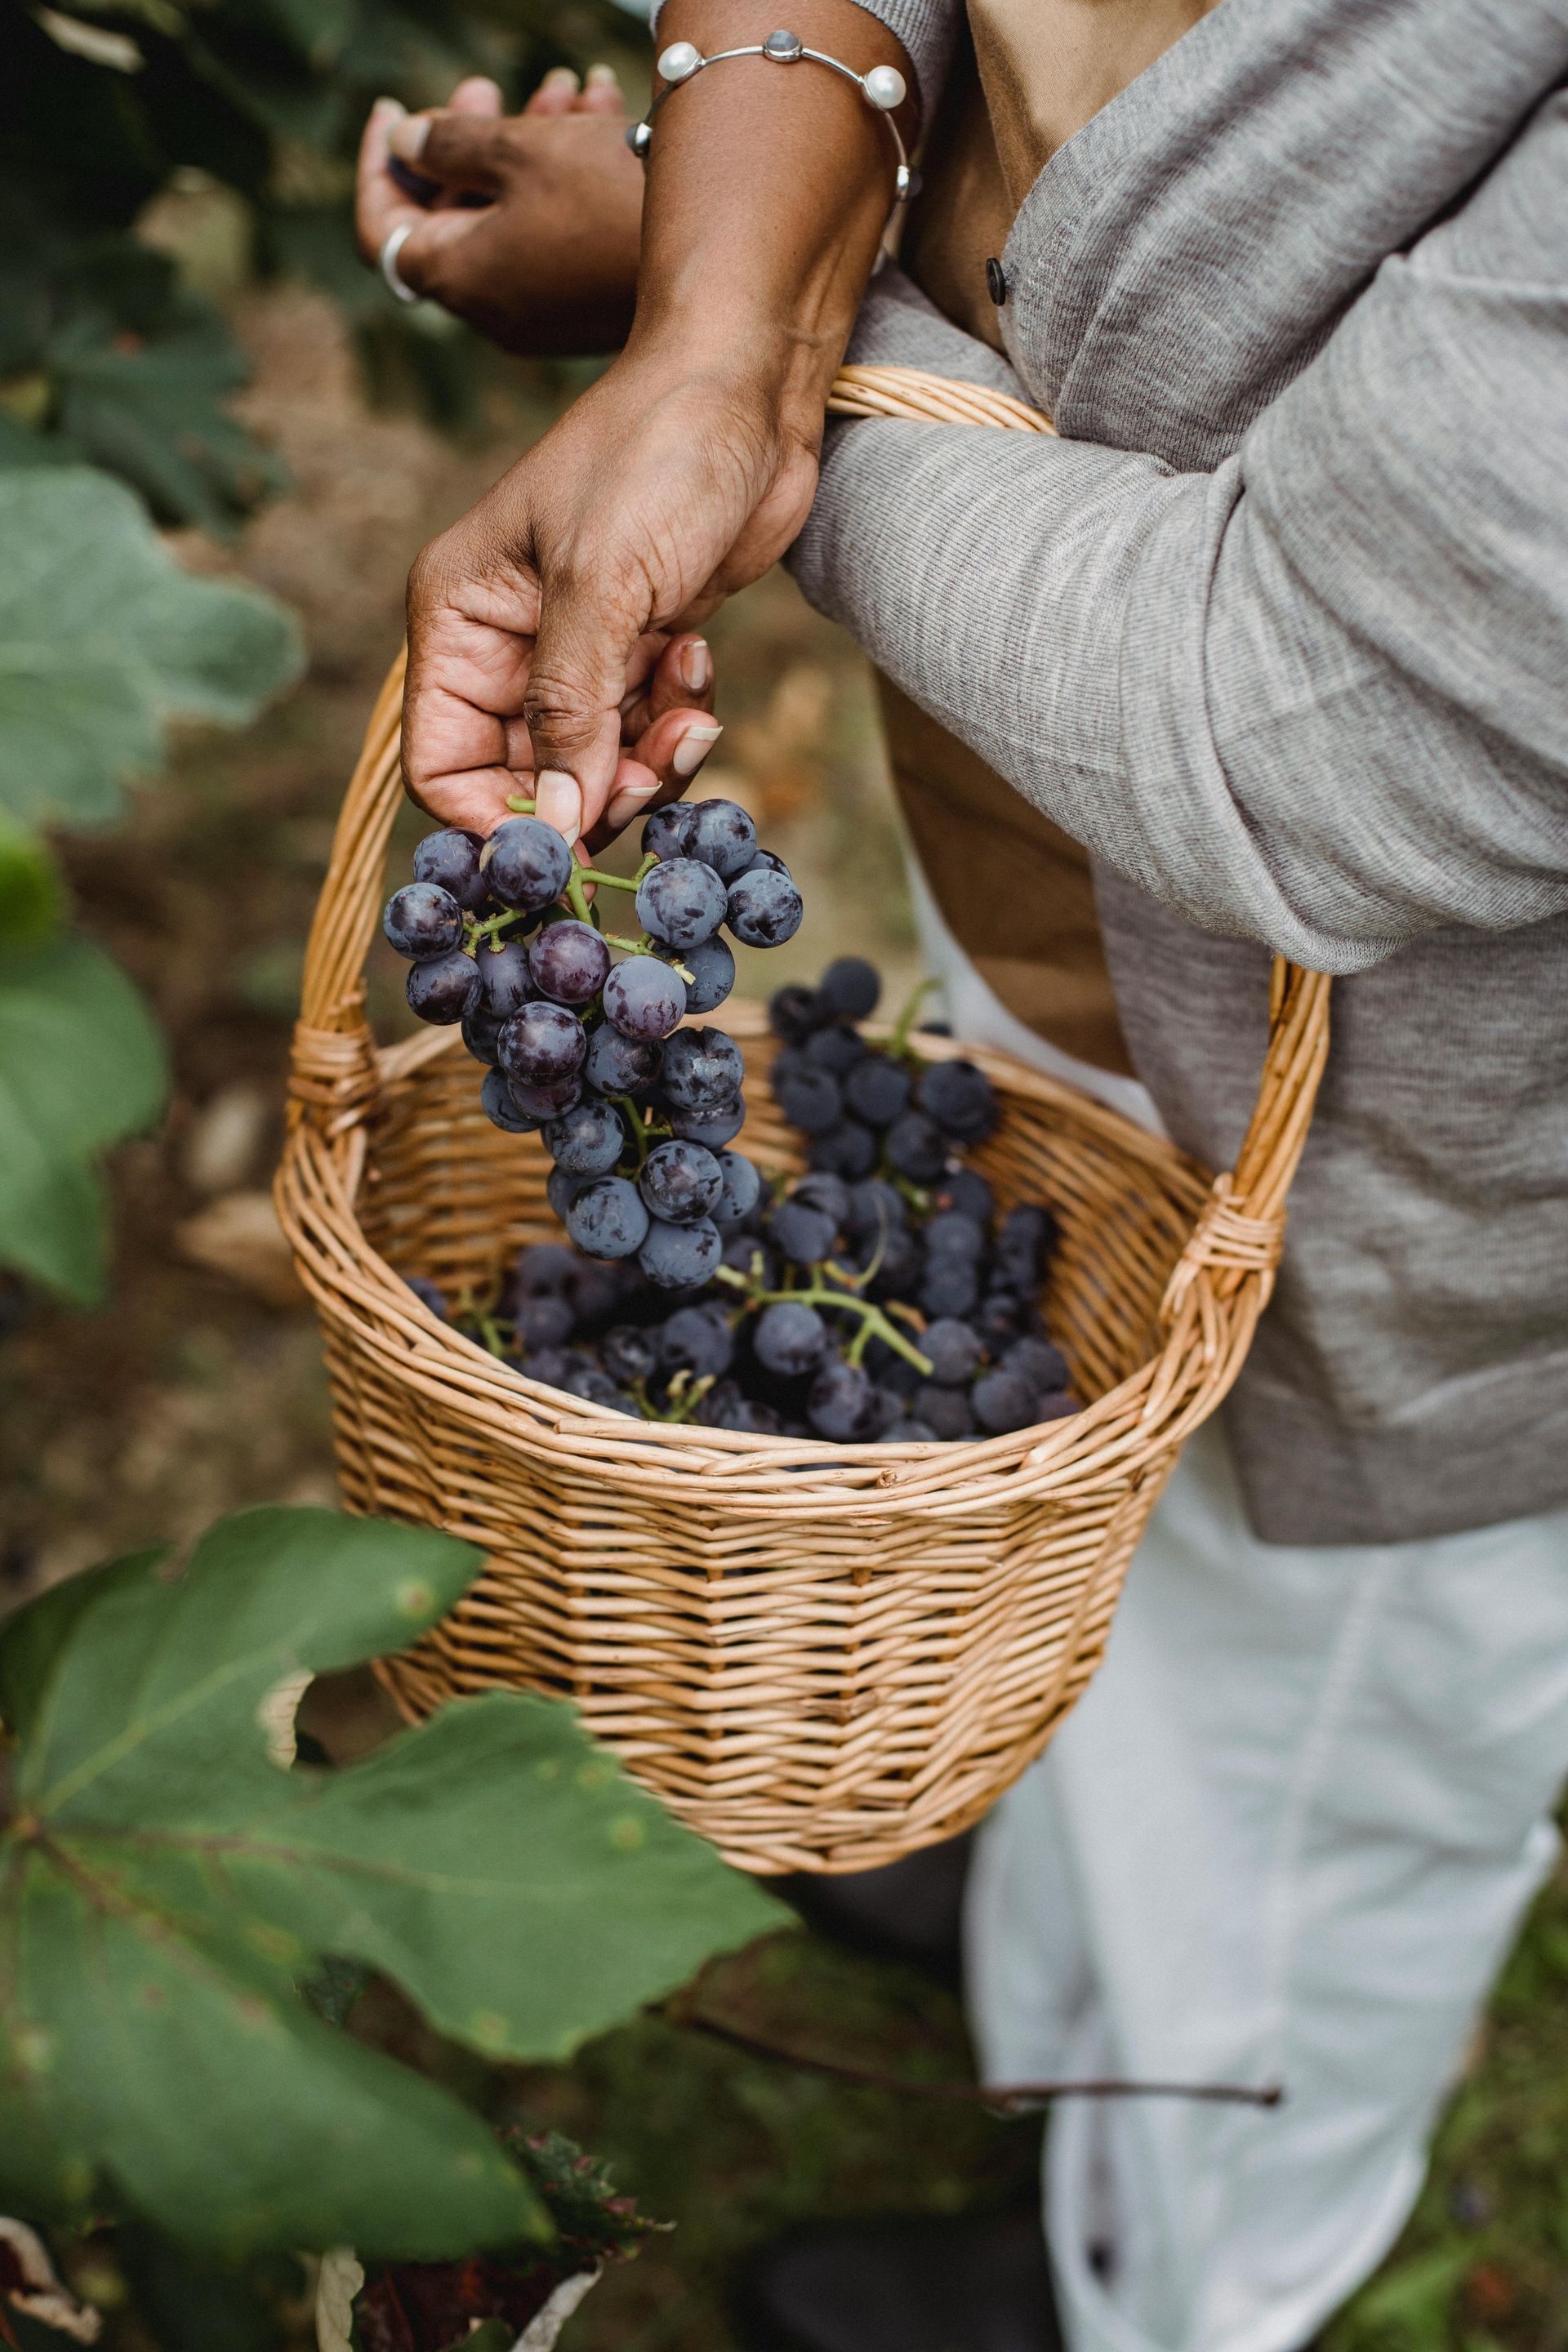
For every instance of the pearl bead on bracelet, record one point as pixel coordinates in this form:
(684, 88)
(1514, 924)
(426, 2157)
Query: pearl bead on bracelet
(883, 88)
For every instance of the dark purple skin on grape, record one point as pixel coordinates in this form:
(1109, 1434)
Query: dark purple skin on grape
(848, 1150)
(643, 998)
(422, 922)
(1037, 1361)
(768, 857)
(794, 1012)
(746, 1418)
(751, 1257)
(629, 1354)
(681, 903)
(541, 1044)
(835, 1049)
(1056, 1407)
(712, 969)
(874, 1208)
(949, 1233)
(824, 1191)
(877, 1090)
(764, 908)
(680, 1182)
(543, 1270)
(702, 1069)
(607, 1218)
(812, 1100)
(501, 1108)
(915, 1148)
(961, 1100)
(621, 1066)
(667, 831)
(1000, 1318)
(587, 1142)
(482, 1035)
(790, 1339)
(951, 1287)
(527, 864)
(451, 858)
(595, 1387)
(569, 962)
(946, 1410)
(841, 1403)
(550, 1098)
(953, 1350)
(805, 1236)
(850, 989)
(504, 982)
(1003, 1402)
(699, 1340)
(598, 1292)
(722, 836)
(740, 1190)
(680, 1257)
(911, 1431)
(428, 1294)
(445, 990)
(542, 1323)
(966, 1190)
(712, 1129)
(553, 1366)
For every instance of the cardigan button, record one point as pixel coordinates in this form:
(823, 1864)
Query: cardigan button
(996, 281)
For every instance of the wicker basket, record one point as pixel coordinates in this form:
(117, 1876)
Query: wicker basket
(822, 1657)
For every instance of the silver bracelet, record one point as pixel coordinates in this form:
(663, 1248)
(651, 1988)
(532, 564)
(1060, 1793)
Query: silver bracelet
(883, 88)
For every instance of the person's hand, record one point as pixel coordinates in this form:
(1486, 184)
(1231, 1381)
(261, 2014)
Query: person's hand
(527, 225)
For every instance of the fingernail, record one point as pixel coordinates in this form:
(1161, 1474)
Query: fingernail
(627, 801)
(601, 77)
(693, 749)
(556, 798)
(696, 665)
(559, 77)
(408, 136)
(389, 109)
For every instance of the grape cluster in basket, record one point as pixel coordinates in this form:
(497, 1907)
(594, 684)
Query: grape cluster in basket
(587, 1049)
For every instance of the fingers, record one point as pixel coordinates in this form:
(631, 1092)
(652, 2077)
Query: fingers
(459, 150)
(601, 92)
(477, 95)
(670, 731)
(556, 94)
(380, 206)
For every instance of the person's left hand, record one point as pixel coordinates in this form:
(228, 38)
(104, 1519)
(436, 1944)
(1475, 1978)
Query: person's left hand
(546, 265)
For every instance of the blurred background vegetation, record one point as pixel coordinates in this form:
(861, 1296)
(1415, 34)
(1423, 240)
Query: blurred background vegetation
(221, 443)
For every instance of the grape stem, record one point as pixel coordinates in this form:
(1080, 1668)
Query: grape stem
(521, 804)
(874, 1324)
(898, 1042)
(574, 895)
(612, 881)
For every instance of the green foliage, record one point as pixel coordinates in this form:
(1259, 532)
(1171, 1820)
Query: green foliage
(31, 899)
(103, 637)
(166, 1882)
(82, 1065)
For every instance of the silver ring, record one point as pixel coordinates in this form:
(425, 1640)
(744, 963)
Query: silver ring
(396, 238)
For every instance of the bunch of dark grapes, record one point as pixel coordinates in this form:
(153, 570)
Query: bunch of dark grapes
(881, 1298)
(587, 1049)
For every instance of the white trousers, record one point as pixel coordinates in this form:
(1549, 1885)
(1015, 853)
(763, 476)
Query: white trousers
(1287, 1835)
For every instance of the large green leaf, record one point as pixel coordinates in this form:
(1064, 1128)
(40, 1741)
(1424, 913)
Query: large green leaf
(165, 1886)
(82, 1065)
(103, 636)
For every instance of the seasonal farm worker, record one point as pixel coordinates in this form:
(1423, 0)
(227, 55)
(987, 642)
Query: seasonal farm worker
(1267, 652)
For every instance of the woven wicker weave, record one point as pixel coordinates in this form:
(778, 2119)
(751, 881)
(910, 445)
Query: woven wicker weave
(822, 1657)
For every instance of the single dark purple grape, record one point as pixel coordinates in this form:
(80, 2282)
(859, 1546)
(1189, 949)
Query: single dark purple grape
(595, 1387)
(552, 1098)
(900, 1268)
(947, 1410)
(915, 1148)
(629, 1354)
(966, 1190)
(643, 998)
(746, 1418)
(953, 1350)
(961, 1100)
(805, 1236)
(527, 864)
(1037, 1361)
(1002, 1401)
(712, 969)
(877, 1090)
(428, 1294)
(794, 1012)
(553, 1366)
(587, 1142)
(1001, 1318)
(749, 1256)
(607, 1219)
(768, 857)
(949, 1233)
(482, 1035)
(1055, 1406)
(874, 1208)
(542, 1042)
(722, 836)
(740, 1190)
(561, 1190)
(812, 1100)
(951, 1287)
(841, 1403)
(445, 990)
(717, 1403)
(680, 1182)
(824, 1191)
(714, 1129)
(697, 1340)
(850, 989)
(848, 1150)
(621, 1066)
(542, 1323)
(789, 1339)
(681, 903)
(702, 1069)
(422, 922)
(451, 858)
(568, 963)
(910, 1431)
(667, 832)
(887, 1407)
(680, 1257)
(764, 908)
(504, 982)
(1026, 1236)
(501, 1108)
(835, 1049)
(600, 1293)
(889, 1369)
(543, 1270)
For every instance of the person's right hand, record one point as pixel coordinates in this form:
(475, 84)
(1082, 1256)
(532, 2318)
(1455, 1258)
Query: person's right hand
(547, 265)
